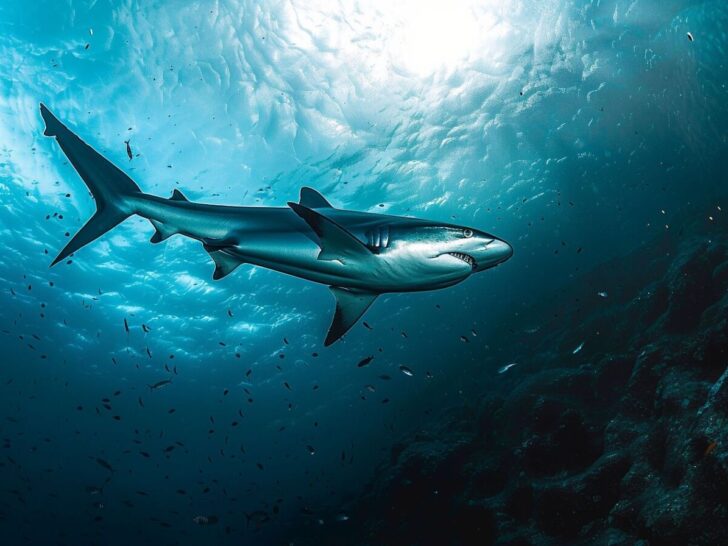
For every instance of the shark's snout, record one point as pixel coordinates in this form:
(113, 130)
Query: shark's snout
(500, 250)
(495, 252)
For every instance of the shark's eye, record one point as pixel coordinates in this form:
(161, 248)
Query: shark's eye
(467, 233)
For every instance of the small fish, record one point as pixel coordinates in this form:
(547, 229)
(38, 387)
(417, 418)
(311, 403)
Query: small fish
(507, 367)
(311, 449)
(205, 520)
(128, 150)
(259, 518)
(104, 464)
(603, 294)
(126, 326)
(690, 36)
(711, 448)
(146, 328)
(365, 361)
(159, 384)
(578, 348)
(406, 371)
(230, 313)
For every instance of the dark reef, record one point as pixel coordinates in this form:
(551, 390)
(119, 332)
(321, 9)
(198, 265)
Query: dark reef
(621, 442)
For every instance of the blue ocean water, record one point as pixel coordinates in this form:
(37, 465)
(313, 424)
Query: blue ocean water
(576, 130)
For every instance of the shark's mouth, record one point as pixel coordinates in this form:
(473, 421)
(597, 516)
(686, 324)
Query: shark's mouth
(466, 258)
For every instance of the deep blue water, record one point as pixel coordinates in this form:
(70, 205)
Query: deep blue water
(575, 130)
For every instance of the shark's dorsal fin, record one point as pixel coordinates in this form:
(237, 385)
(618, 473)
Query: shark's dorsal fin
(178, 196)
(161, 233)
(224, 262)
(350, 306)
(335, 241)
(312, 199)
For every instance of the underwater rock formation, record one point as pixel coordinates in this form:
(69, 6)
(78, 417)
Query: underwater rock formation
(623, 441)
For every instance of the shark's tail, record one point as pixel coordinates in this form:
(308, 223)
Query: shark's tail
(109, 186)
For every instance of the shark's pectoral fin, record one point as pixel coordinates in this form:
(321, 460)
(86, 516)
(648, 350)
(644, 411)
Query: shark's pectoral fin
(161, 232)
(312, 199)
(335, 241)
(350, 306)
(224, 263)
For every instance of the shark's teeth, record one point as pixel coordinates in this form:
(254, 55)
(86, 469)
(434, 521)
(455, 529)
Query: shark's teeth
(465, 257)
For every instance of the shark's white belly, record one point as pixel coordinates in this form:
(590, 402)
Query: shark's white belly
(296, 254)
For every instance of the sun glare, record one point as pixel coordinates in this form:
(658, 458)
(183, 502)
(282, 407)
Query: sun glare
(437, 35)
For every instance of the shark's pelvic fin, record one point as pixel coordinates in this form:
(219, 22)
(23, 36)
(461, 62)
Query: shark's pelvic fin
(178, 196)
(312, 199)
(335, 241)
(161, 232)
(224, 262)
(106, 182)
(350, 306)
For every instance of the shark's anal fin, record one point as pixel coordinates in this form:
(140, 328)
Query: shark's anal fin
(224, 263)
(312, 199)
(161, 232)
(350, 306)
(335, 241)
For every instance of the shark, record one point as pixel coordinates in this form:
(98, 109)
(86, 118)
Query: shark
(359, 255)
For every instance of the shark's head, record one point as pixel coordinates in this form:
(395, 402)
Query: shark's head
(466, 249)
(447, 253)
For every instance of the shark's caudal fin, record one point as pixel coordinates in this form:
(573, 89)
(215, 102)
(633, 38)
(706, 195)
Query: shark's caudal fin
(106, 182)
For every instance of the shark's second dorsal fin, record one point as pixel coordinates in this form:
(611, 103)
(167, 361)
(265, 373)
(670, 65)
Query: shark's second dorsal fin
(312, 199)
(350, 306)
(224, 262)
(178, 196)
(335, 241)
